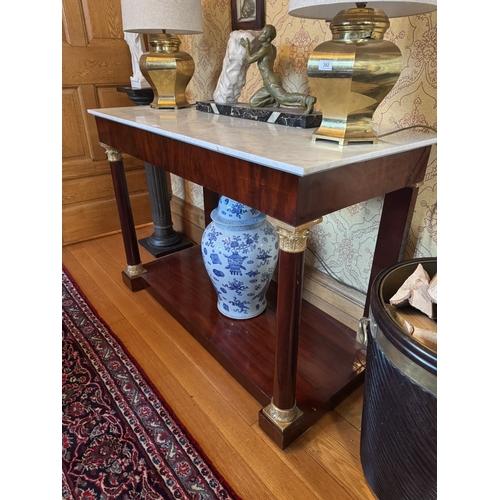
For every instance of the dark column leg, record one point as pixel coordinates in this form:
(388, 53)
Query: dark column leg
(393, 232)
(210, 201)
(134, 265)
(164, 239)
(283, 410)
(291, 270)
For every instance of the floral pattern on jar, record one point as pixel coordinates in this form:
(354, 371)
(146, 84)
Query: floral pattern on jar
(240, 252)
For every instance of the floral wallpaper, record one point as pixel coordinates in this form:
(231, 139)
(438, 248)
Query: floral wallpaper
(343, 245)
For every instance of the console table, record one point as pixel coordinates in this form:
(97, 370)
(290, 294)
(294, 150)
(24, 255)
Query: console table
(297, 361)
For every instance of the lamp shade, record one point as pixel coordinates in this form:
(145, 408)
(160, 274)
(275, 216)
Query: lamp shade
(327, 9)
(179, 17)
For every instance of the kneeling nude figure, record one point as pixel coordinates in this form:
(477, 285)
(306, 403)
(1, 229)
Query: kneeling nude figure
(272, 93)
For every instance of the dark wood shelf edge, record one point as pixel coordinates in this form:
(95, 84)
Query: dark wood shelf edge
(321, 383)
(225, 361)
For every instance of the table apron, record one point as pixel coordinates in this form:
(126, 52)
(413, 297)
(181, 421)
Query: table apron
(286, 197)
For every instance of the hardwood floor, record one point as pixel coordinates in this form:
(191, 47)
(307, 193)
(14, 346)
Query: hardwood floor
(322, 464)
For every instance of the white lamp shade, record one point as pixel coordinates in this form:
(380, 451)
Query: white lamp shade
(328, 9)
(176, 17)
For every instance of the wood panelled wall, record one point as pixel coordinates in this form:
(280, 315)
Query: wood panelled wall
(95, 60)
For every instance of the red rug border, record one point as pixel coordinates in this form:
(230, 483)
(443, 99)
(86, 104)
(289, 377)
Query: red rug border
(178, 421)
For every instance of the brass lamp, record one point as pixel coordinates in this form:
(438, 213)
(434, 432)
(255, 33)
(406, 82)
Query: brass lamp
(167, 69)
(353, 72)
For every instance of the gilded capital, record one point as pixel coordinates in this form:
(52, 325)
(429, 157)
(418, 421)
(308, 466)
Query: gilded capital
(294, 239)
(112, 153)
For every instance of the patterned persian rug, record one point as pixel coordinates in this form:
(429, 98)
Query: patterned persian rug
(119, 439)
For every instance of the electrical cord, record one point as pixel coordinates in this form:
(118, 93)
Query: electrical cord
(330, 273)
(409, 128)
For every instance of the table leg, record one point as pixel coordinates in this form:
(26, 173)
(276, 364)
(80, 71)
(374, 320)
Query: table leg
(395, 222)
(283, 409)
(134, 265)
(210, 201)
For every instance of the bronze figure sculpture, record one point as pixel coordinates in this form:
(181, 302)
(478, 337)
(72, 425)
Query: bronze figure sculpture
(272, 93)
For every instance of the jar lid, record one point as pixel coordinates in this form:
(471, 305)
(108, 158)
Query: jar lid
(230, 212)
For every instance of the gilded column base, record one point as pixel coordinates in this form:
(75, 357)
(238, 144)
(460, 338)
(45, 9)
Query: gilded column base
(282, 418)
(135, 271)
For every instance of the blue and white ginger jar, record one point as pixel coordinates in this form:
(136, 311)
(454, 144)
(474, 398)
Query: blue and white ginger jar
(240, 252)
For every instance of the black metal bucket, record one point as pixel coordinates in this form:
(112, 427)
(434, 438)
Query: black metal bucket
(399, 421)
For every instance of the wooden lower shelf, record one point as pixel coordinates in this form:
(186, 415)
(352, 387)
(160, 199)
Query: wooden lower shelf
(330, 361)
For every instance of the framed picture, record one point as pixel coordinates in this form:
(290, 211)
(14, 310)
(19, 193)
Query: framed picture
(247, 14)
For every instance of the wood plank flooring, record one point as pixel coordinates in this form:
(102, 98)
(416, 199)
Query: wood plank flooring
(223, 418)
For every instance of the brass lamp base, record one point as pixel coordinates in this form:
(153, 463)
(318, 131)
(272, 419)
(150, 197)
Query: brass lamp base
(352, 73)
(168, 71)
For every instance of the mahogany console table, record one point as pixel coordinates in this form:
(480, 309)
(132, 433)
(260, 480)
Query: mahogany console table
(297, 361)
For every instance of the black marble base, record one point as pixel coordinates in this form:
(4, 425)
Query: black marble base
(156, 251)
(291, 117)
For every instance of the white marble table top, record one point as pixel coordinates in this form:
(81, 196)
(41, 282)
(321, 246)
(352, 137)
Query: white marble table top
(276, 146)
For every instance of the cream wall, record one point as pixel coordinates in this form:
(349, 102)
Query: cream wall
(343, 245)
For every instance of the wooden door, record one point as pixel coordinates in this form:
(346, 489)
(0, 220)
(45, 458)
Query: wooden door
(95, 60)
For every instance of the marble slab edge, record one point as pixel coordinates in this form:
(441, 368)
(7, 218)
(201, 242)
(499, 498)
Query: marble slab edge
(280, 116)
